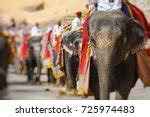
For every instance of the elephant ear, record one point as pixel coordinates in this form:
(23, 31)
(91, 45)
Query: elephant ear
(134, 38)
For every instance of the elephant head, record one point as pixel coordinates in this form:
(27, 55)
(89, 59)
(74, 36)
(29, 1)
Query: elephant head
(114, 37)
(72, 41)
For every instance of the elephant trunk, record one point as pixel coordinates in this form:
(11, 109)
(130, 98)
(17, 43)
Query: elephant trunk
(105, 72)
(105, 53)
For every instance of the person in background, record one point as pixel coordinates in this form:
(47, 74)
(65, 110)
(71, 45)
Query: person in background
(75, 25)
(36, 31)
(77, 21)
(56, 32)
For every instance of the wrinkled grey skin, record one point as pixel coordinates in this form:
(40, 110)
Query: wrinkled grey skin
(4, 60)
(114, 38)
(72, 41)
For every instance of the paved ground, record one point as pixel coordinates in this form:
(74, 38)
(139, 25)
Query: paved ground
(18, 89)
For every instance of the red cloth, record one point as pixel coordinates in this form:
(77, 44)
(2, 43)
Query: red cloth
(85, 40)
(24, 48)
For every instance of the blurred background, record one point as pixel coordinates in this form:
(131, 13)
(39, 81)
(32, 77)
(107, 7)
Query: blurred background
(45, 13)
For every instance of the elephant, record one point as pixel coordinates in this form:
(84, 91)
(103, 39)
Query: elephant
(72, 44)
(116, 39)
(34, 59)
(4, 59)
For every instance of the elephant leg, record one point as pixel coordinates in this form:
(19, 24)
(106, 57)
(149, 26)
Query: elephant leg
(122, 92)
(127, 78)
(96, 91)
(30, 70)
(39, 66)
(49, 75)
(69, 76)
(94, 81)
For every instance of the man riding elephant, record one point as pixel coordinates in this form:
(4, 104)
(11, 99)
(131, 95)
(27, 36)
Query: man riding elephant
(115, 39)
